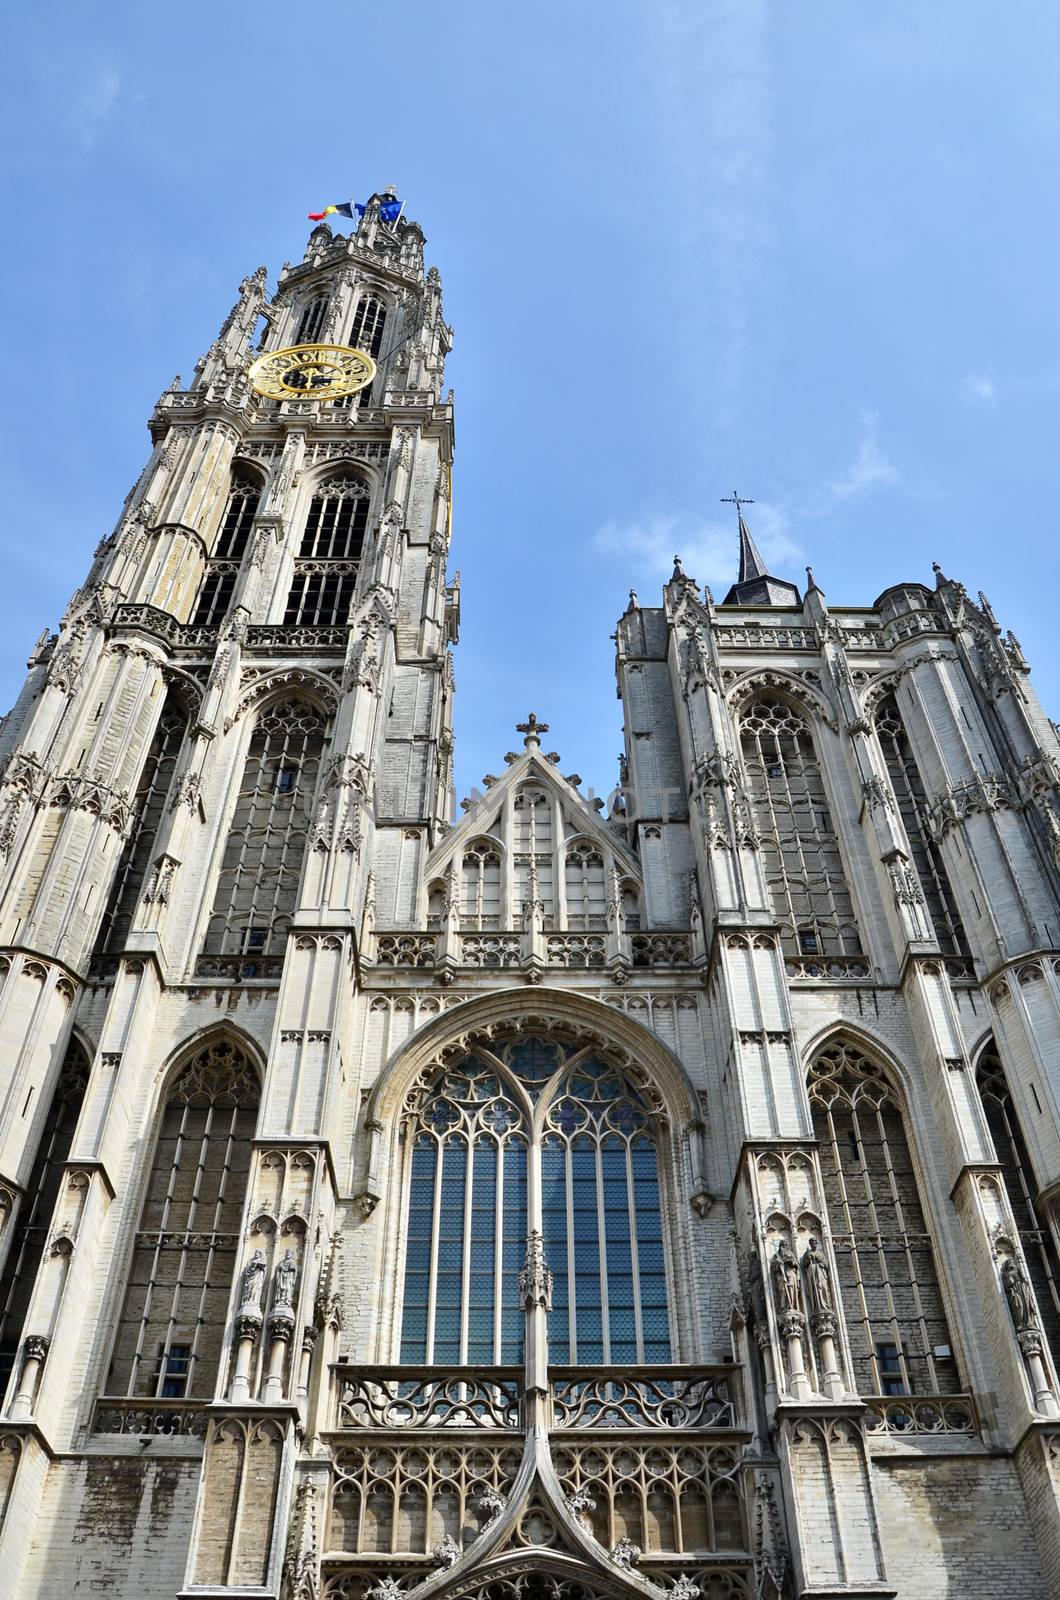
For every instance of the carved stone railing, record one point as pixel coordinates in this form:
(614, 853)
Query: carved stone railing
(576, 949)
(406, 949)
(657, 1397)
(411, 1397)
(162, 625)
(239, 968)
(671, 1397)
(151, 619)
(921, 1414)
(828, 969)
(511, 948)
(739, 633)
(281, 637)
(661, 949)
(491, 949)
(150, 1418)
(911, 623)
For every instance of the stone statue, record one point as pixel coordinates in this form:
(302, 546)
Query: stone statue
(1018, 1293)
(784, 1270)
(284, 1280)
(253, 1282)
(818, 1278)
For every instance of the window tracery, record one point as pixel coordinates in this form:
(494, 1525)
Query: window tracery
(1021, 1187)
(800, 848)
(369, 321)
(534, 833)
(325, 569)
(312, 319)
(34, 1220)
(912, 808)
(172, 1325)
(471, 1129)
(218, 585)
(257, 886)
(480, 886)
(586, 887)
(136, 856)
(896, 1322)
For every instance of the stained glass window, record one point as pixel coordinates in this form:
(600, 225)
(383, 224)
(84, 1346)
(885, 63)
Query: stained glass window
(473, 1128)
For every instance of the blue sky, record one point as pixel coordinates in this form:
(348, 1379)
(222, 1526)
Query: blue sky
(807, 249)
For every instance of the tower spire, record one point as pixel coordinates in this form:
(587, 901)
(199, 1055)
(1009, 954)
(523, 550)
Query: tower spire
(755, 586)
(751, 563)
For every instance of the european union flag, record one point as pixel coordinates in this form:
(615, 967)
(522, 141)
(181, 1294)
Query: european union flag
(389, 210)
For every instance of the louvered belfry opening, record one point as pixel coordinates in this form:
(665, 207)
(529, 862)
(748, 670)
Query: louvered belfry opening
(325, 569)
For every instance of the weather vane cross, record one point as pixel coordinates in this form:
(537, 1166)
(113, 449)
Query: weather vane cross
(735, 500)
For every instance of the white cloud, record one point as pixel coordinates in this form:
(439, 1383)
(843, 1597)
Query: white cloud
(869, 466)
(708, 547)
(96, 102)
(978, 388)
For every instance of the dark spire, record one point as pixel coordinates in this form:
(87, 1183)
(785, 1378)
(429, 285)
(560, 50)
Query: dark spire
(751, 563)
(755, 586)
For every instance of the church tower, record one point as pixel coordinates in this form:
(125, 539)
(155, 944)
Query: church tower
(535, 1198)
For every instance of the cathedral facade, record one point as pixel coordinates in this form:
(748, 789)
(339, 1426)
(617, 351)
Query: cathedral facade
(571, 1200)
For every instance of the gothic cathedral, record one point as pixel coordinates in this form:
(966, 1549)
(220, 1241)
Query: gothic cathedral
(566, 1202)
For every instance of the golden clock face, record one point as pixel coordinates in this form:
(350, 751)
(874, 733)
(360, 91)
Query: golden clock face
(312, 372)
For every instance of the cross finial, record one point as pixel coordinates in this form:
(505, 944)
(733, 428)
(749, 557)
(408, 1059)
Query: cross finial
(532, 729)
(736, 500)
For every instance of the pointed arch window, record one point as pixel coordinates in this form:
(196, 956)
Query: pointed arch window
(1021, 1187)
(473, 1132)
(892, 1300)
(171, 1330)
(257, 887)
(312, 319)
(325, 569)
(800, 847)
(534, 833)
(480, 886)
(218, 584)
(586, 887)
(136, 857)
(912, 808)
(32, 1225)
(369, 321)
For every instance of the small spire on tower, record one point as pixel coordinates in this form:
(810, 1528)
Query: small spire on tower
(755, 586)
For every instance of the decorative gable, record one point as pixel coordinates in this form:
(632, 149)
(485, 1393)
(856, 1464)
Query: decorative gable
(532, 844)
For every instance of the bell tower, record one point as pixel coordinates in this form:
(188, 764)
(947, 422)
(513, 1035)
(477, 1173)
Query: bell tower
(246, 703)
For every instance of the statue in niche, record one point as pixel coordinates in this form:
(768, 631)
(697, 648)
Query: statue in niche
(784, 1270)
(1018, 1293)
(253, 1282)
(284, 1279)
(818, 1278)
